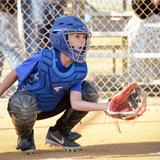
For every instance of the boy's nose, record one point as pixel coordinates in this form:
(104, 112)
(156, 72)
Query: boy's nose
(82, 42)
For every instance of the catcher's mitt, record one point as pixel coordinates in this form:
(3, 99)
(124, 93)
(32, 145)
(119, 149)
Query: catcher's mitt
(128, 104)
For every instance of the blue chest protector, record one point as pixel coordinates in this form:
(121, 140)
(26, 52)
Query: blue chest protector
(53, 84)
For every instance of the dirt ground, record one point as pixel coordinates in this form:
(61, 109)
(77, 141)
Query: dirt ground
(138, 140)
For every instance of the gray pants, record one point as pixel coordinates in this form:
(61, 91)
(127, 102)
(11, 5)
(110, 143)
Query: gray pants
(10, 44)
(144, 37)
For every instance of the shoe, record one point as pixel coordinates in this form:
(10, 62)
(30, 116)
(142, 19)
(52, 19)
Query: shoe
(27, 144)
(73, 136)
(58, 139)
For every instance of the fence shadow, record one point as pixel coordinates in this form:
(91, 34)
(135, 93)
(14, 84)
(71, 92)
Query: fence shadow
(144, 149)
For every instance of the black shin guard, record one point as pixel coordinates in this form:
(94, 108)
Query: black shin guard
(23, 127)
(72, 117)
(68, 120)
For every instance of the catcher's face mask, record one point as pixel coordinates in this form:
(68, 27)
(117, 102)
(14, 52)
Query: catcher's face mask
(77, 43)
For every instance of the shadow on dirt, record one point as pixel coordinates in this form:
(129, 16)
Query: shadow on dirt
(144, 149)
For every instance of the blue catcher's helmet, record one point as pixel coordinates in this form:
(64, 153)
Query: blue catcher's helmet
(59, 36)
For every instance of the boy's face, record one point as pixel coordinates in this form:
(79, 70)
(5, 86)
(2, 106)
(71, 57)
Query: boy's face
(77, 40)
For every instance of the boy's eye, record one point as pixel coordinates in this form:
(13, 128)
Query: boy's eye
(77, 36)
(84, 37)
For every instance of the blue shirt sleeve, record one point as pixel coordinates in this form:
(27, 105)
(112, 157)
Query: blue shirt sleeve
(77, 87)
(27, 67)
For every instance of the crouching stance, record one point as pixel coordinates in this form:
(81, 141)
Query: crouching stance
(23, 109)
(50, 82)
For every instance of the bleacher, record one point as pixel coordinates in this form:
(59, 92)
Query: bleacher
(109, 37)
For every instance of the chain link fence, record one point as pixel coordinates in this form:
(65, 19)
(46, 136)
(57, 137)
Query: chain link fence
(125, 44)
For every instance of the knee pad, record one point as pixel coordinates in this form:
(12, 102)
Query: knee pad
(23, 105)
(89, 92)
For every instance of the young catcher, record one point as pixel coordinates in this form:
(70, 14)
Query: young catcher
(52, 81)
